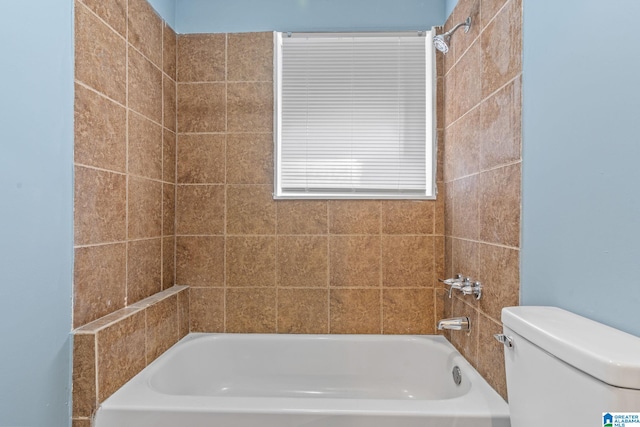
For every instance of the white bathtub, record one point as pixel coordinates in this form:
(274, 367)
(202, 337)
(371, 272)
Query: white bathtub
(249, 380)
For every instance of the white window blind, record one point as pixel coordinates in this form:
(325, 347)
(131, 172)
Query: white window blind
(354, 116)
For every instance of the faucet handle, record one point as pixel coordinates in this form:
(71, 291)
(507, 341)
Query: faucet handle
(457, 282)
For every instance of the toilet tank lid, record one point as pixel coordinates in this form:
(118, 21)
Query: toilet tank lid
(601, 351)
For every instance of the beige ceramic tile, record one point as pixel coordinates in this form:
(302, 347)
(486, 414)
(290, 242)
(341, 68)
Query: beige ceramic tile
(355, 261)
(145, 208)
(200, 261)
(206, 309)
(99, 206)
(169, 41)
(502, 48)
(467, 89)
(145, 87)
(408, 261)
(302, 261)
(355, 311)
(145, 147)
(100, 131)
(440, 258)
(462, 153)
(201, 107)
(250, 158)
(113, 12)
(162, 327)
(84, 375)
(491, 355)
(408, 216)
(251, 261)
(449, 208)
(501, 127)
(465, 212)
(302, 217)
(99, 282)
(250, 57)
(121, 353)
(200, 209)
(466, 342)
(250, 209)
(144, 269)
(168, 209)
(439, 210)
(440, 107)
(251, 310)
(100, 56)
(500, 276)
(449, 58)
(168, 262)
(464, 259)
(442, 303)
(488, 10)
(408, 311)
(500, 205)
(81, 422)
(168, 156)
(250, 107)
(354, 217)
(303, 311)
(169, 103)
(440, 155)
(201, 159)
(448, 254)
(461, 41)
(97, 325)
(201, 57)
(184, 316)
(145, 30)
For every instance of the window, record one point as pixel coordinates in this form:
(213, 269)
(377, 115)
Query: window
(354, 116)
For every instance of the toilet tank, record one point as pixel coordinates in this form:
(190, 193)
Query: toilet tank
(566, 370)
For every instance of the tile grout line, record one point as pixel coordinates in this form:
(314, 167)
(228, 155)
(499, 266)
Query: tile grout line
(127, 125)
(174, 273)
(226, 187)
(483, 100)
(380, 273)
(477, 37)
(491, 169)
(162, 166)
(328, 294)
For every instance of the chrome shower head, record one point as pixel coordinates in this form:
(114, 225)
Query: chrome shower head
(441, 42)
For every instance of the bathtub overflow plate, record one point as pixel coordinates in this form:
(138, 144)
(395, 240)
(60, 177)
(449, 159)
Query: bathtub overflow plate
(457, 375)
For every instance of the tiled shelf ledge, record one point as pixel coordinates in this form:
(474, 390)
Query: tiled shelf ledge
(110, 351)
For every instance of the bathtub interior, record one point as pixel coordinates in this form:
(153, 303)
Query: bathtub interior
(308, 366)
(251, 380)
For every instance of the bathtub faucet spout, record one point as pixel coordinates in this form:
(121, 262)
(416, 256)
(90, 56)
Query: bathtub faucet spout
(455, 324)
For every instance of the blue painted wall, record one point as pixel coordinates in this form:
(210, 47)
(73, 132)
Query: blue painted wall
(220, 16)
(36, 212)
(448, 7)
(581, 168)
(166, 9)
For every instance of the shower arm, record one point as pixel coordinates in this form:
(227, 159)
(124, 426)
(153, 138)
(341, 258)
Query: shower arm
(466, 23)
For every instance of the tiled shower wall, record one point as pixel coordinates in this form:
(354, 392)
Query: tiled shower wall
(125, 123)
(483, 73)
(259, 265)
(125, 126)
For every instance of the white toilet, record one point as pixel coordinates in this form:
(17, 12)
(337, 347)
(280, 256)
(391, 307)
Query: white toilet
(565, 370)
